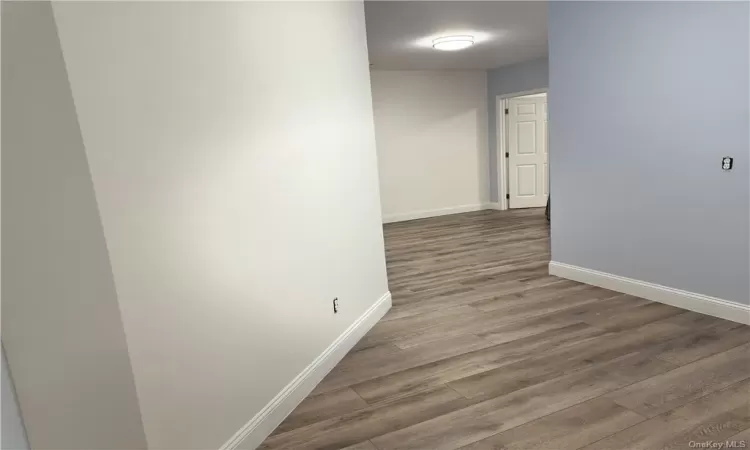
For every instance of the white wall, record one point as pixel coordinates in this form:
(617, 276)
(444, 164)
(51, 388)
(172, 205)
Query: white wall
(431, 129)
(61, 325)
(235, 174)
(12, 430)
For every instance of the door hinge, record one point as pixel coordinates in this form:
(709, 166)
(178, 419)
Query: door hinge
(507, 196)
(507, 154)
(506, 111)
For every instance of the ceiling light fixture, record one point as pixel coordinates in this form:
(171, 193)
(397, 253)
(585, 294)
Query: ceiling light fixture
(451, 43)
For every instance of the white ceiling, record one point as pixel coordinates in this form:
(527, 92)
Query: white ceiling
(400, 33)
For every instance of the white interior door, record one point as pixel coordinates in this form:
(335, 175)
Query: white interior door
(528, 171)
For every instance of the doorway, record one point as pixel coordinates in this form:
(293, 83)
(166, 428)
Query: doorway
(523, 157)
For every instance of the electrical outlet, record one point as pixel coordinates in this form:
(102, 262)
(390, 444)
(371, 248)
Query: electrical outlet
(727, 162)
(335, 305)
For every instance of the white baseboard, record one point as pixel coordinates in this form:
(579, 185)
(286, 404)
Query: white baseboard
(495, 206)
(703, 304)
(262, 424)
(423, 214)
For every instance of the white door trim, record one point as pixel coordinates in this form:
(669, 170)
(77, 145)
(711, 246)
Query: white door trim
(501, 102)
(502, 164)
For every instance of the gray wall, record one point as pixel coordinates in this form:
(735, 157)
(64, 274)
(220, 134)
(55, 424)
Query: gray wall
(13, 433)
(644, 99)
(520, 77)
(62, 330)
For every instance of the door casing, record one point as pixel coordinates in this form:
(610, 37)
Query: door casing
(501, 137)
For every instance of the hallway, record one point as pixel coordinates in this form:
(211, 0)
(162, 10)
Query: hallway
(483, 349)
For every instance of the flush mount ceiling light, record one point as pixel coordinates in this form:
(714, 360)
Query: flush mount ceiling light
(451, 43)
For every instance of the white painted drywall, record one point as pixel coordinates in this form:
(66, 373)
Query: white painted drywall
(431, 129)
(61, 325)
(235, 171)
(12, 430)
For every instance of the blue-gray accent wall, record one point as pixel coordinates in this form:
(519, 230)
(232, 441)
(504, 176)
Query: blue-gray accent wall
(645, 98)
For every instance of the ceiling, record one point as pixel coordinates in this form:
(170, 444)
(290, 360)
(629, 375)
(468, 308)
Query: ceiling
(400, 33)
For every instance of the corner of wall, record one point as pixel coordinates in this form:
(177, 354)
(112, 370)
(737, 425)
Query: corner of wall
(254, 432)
(72, 375)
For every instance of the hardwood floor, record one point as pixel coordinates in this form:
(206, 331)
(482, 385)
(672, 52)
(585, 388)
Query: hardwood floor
(484, 350)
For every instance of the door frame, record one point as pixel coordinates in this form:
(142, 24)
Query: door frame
(501, 139)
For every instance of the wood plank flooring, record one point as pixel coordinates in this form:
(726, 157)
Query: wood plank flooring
(484, 350)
